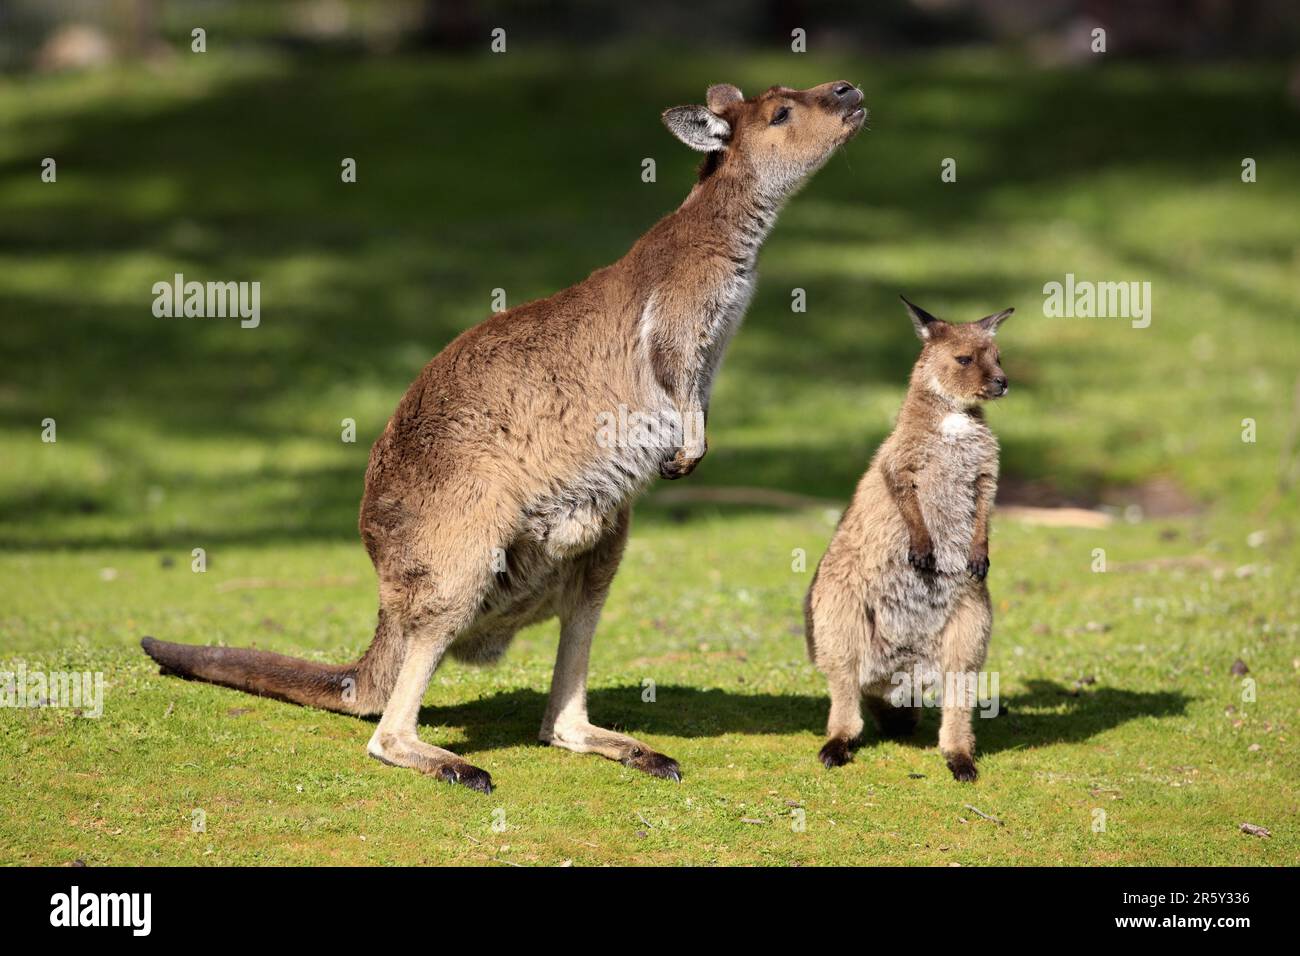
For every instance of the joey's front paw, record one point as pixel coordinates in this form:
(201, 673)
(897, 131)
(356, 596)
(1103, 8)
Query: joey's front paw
(978, 565)
(921, 556)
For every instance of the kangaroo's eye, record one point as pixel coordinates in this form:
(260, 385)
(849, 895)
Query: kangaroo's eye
(963, 359)
(780, 116)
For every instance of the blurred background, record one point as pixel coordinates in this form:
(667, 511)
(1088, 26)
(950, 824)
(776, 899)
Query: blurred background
(521, 170)
(61, 34)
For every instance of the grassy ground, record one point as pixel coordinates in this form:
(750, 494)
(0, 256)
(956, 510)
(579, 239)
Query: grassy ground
(182, 434)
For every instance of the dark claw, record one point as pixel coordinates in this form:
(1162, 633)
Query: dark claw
(466, 776)
(921, 560)
(668, 468)
(680, 464)
(978, 568)
(655, 764)
(677, 467)
(963, 768)
(836, 753)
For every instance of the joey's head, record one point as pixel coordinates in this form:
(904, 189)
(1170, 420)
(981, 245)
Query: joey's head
(959, 362)
(772, 141)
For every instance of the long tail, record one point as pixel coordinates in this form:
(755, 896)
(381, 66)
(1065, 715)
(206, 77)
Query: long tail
(360, 688)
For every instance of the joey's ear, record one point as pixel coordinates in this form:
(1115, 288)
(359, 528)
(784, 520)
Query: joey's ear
(698, 128)
(722, 95)
(991, 322)
(926, 325)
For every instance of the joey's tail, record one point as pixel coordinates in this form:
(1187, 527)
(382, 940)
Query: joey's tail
(360, 688)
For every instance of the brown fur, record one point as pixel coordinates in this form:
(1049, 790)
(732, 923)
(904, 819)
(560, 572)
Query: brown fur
(901, 586)
(489, 503)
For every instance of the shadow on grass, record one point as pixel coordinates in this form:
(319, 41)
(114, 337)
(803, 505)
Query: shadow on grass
(1045, 714)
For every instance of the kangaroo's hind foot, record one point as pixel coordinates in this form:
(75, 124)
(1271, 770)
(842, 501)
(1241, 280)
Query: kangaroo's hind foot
(407, 750)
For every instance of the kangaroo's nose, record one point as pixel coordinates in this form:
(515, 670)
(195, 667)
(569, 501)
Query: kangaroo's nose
(845, 95)
(1001, 382)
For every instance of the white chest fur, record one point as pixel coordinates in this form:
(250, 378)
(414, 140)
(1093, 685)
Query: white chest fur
(957, 425)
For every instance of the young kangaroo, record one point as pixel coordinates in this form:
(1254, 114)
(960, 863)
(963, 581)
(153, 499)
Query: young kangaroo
(490, 502)
(901, 588)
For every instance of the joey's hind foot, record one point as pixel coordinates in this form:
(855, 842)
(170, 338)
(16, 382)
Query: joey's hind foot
(655, 764)
(963, 768)
(836, 753)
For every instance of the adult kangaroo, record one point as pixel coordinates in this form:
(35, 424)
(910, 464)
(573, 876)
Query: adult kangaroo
(490, 501)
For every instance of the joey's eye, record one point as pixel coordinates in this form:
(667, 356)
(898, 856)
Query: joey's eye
(963, 359)
(780, 116)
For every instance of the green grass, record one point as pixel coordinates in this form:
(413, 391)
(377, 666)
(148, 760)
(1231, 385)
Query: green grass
(524, 173)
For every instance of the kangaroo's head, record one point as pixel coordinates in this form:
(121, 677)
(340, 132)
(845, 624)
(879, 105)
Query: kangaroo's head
(959, 362)
(772, 141)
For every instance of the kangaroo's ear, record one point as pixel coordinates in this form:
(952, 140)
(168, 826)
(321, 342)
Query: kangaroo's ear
(991, 322)
(698, 127)
(926, 325)
(722, 95)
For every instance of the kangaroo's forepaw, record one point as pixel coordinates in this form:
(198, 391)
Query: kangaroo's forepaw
(679, 465)
(978, 566)
(836, 753)
(655, 764)
(963, 768)
(465, 775)
(921, 557)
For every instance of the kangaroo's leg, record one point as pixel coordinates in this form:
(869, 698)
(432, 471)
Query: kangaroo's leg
(566, 724)
(845, 724)
(395, 740)
(964, 645)
(436, 605)
(839, 631)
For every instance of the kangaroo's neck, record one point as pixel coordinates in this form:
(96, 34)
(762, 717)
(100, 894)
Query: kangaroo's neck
(925, 408)
(694, 273)
(727, 215)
